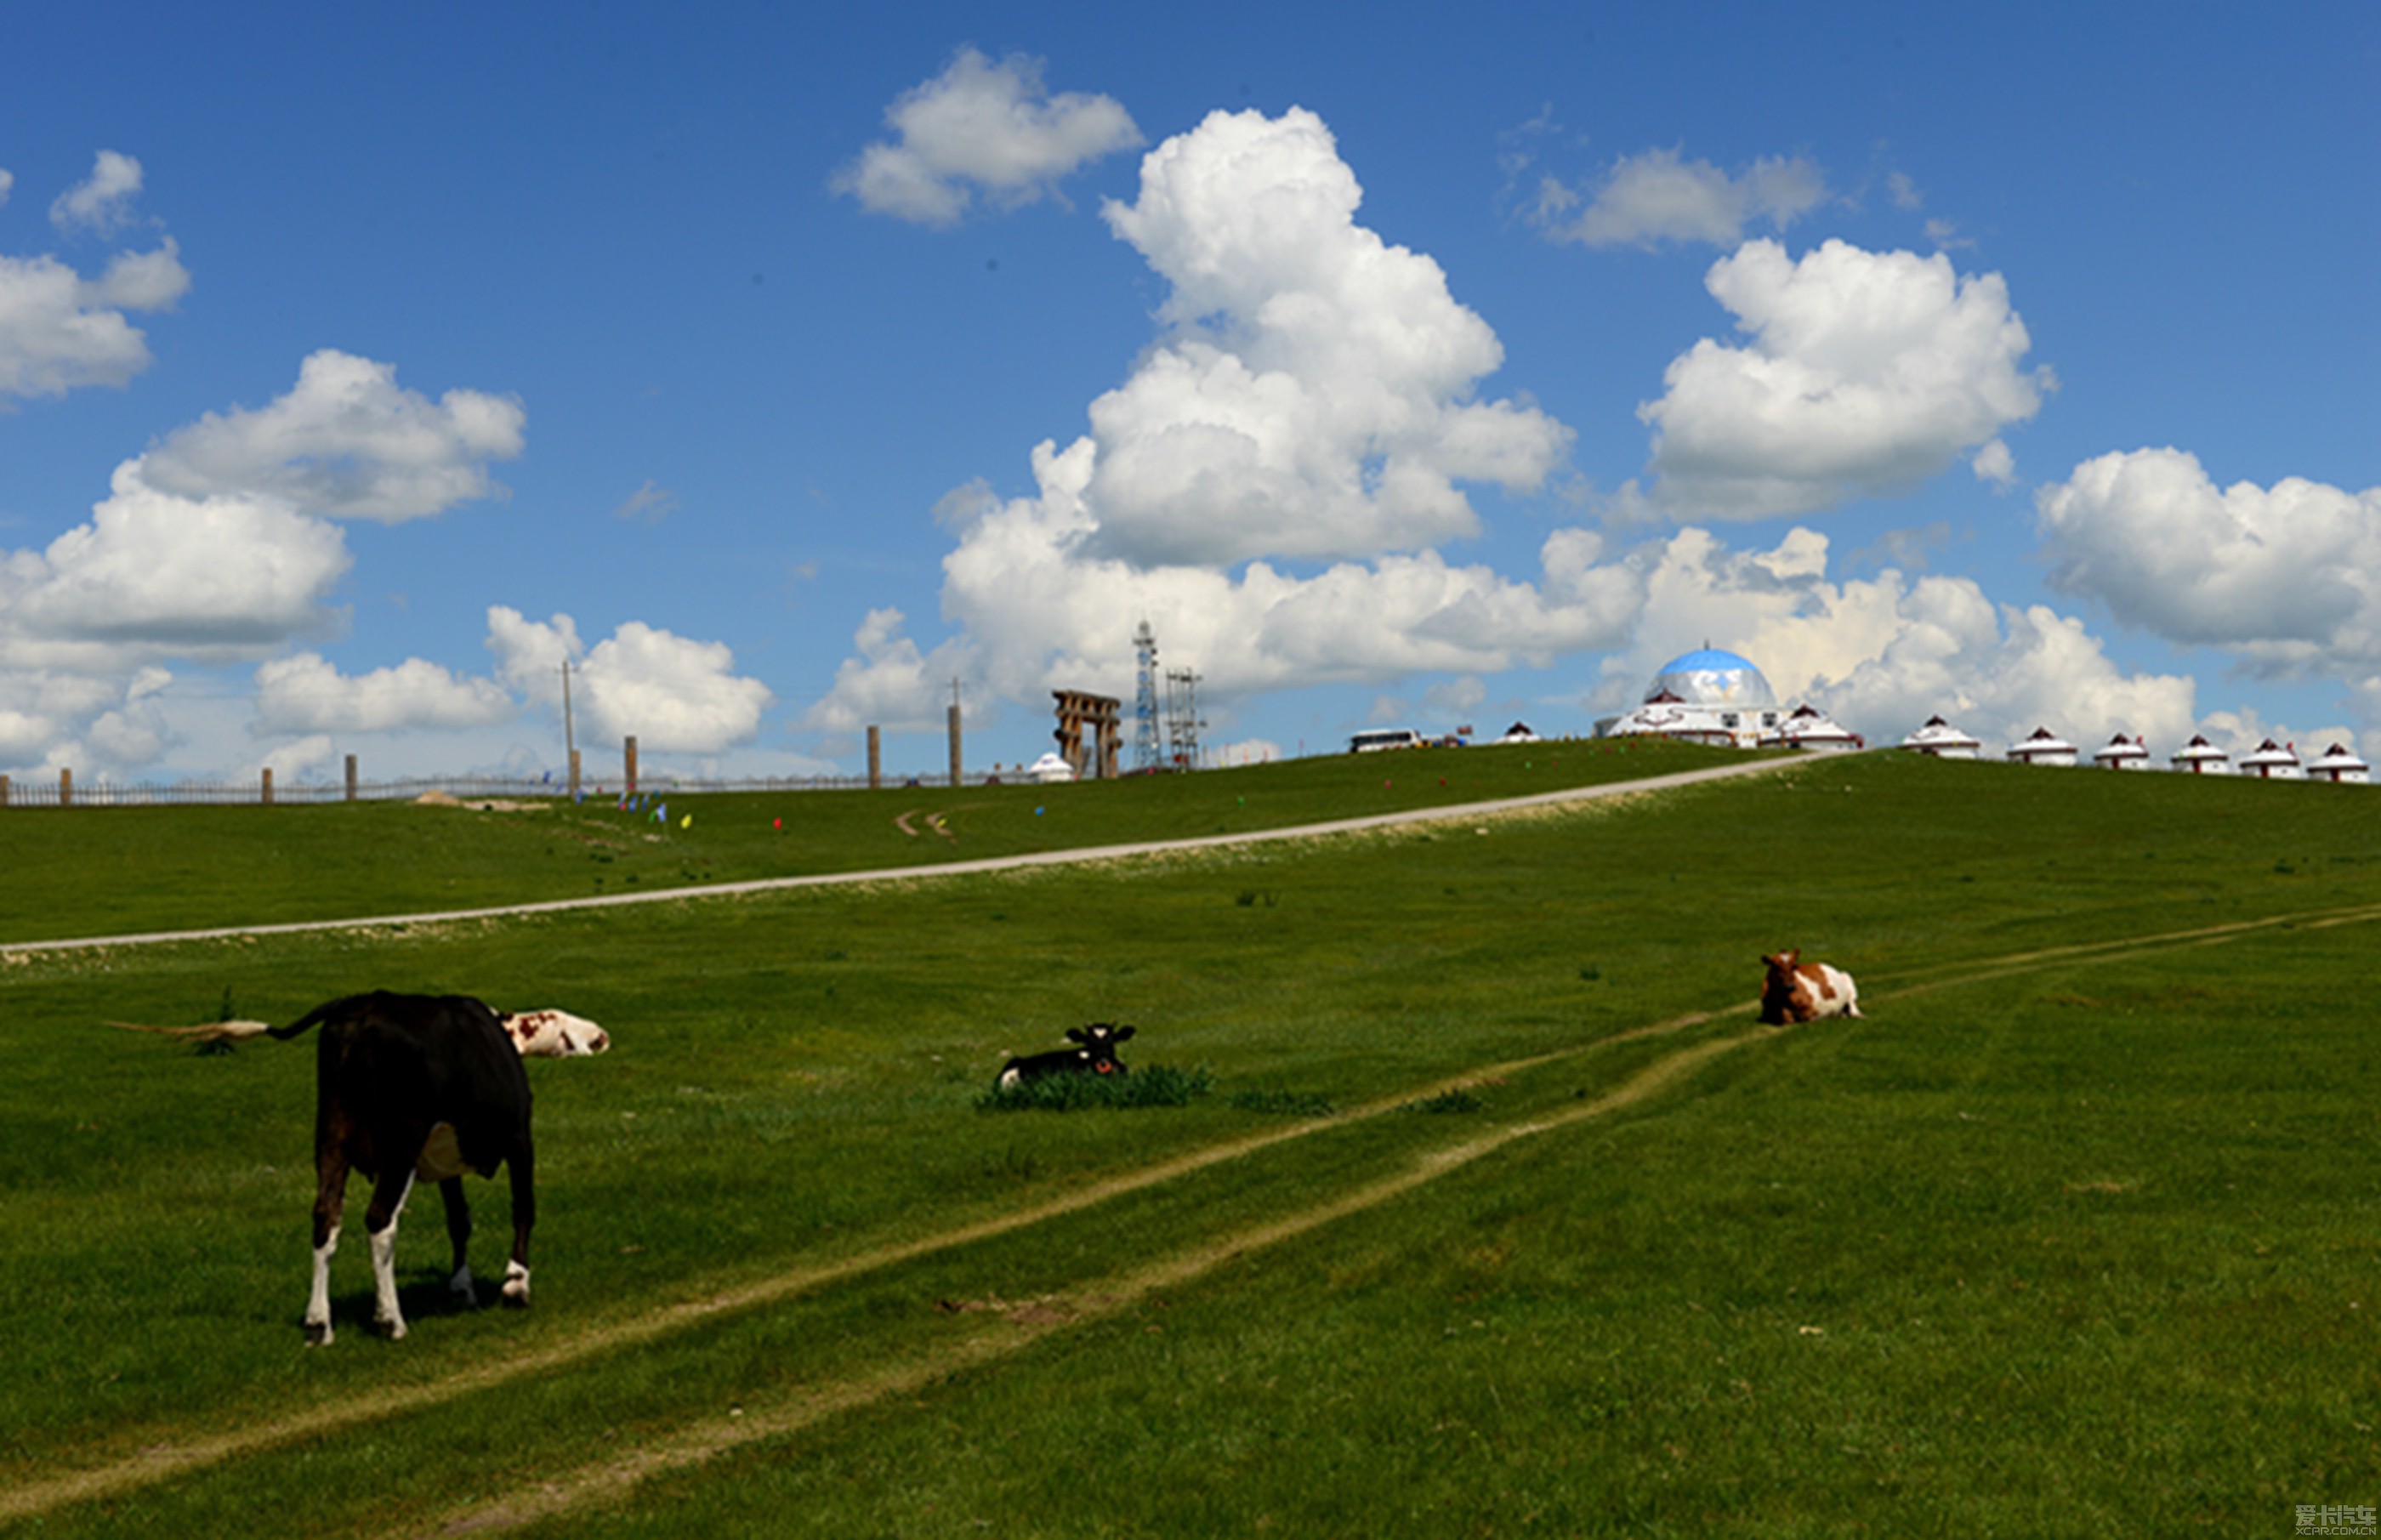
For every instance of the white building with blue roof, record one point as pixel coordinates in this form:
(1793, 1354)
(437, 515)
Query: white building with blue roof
(1710, 695)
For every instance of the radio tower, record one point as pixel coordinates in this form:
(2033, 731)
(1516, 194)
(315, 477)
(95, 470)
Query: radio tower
(1146, 754)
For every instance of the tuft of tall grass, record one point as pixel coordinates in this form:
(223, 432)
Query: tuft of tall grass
(1152, 1085)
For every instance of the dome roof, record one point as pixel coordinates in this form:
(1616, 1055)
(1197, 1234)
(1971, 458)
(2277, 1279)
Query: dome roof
(1712, 676)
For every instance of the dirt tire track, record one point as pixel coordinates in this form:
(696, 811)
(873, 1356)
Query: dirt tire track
(2125, 946)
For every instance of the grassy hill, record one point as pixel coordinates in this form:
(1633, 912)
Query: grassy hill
(1503, 1214)
(100, 871)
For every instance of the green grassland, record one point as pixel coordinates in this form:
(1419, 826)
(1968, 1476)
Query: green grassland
(98, 870)
(1501, 1214)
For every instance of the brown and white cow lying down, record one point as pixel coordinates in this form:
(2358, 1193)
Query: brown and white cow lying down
(411, 1086)
(1795, 991)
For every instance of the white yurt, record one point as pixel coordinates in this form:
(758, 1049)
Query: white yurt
(2122, 753)
(2200, 757)
(2272, 762)
(1520, 733)
(1710, 695)
(1809, 727)
(1050, 770)
(1943, 741)
(2339, 763)
(2043, 746)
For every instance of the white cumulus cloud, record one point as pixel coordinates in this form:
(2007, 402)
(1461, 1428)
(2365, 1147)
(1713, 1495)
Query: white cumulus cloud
(1864, 372)
(45, 712)
(1035, 613)
(1658, 196)
(673, 693)
(306, 694)
(981, 128)
(2284, 573)
(154, 575)
(60, 331)
(1313, 395)
(102, 202)
(226, 557)
(346, 442)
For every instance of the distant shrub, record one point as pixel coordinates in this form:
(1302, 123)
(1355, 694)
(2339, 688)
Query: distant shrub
(1152, 1085)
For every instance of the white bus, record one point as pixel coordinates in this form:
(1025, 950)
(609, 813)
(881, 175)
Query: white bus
(1372, 739)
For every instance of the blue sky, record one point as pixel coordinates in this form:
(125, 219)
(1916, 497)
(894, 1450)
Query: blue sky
(776, 370)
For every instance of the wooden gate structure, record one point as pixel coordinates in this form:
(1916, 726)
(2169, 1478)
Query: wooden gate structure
(1077, 711)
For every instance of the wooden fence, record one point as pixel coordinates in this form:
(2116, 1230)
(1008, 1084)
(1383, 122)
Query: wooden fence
(67, 792)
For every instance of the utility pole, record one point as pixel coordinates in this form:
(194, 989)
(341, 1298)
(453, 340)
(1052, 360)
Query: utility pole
(569, 734)
(955, 772)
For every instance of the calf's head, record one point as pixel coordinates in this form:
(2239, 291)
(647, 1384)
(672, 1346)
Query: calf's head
(1784, 997)
(1099, 1041)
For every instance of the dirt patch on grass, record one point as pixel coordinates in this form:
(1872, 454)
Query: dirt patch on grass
(476, 804)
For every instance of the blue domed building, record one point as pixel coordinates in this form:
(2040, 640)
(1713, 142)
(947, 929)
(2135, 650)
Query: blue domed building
(1710, 695)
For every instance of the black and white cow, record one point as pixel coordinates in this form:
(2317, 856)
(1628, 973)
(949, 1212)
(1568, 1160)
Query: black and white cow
(407, 1086)
(1094, 1054)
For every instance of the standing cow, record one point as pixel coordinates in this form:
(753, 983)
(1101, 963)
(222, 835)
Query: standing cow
(1795, 991)
(407, 1086)
(415, 1085)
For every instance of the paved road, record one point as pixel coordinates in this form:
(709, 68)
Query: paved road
(945, 868)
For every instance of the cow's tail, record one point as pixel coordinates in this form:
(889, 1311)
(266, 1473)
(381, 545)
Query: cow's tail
(211, 1034)
(208, 1033)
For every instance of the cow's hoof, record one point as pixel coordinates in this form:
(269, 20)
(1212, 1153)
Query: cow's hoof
(392, 1330)
(516, 1294)
(318, 1334)
(460, 1287)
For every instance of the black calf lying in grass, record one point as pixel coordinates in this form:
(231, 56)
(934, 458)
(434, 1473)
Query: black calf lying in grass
(1094, 1056)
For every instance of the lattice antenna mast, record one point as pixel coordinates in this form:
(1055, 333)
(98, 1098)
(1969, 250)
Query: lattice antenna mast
(1146, 754)
(1182, 719)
